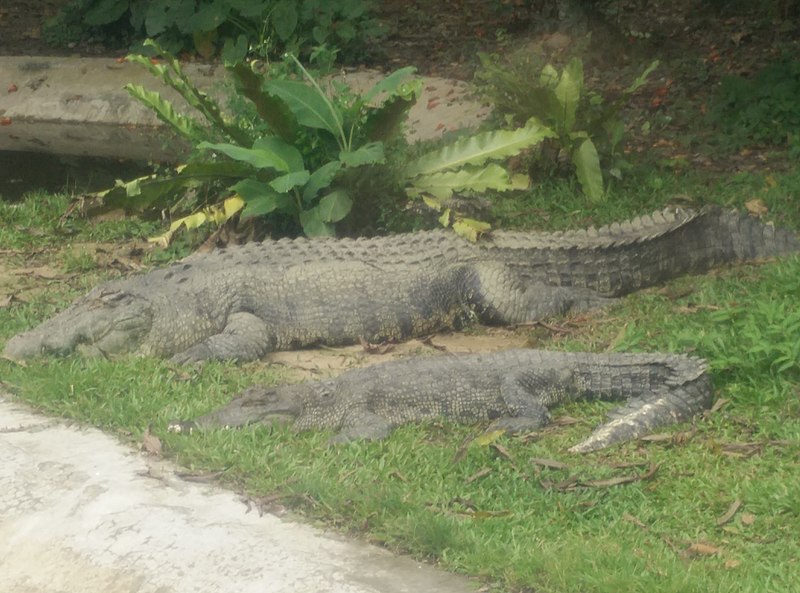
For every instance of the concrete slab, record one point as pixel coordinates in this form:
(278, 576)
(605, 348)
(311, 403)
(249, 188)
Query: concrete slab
(78, 106)
(81, 513)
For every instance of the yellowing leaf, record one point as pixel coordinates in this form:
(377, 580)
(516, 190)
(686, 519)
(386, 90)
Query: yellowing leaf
(471, 229)
(232, 205)
(487, 438)
(431, 202)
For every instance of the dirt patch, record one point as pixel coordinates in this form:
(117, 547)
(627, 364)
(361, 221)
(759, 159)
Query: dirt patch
(320, 363)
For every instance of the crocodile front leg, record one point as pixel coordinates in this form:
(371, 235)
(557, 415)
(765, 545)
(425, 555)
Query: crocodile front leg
(245, 337)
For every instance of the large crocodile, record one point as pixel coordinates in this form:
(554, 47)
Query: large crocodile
(242, 302)
(513, 388)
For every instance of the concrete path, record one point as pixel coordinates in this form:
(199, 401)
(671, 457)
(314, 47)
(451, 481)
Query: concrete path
(78, 106)
(81, 513)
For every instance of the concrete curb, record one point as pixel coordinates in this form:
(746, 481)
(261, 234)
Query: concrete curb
(81, 513)
(78, 106)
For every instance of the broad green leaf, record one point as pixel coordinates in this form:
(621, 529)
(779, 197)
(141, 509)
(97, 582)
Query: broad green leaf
(234, 51)
(306, 103)
(314, 226)
(261, 198)
(369, 154)
(568, 91)
(214, 170)
(476, 150)
(266, 203)
(252, 189)
(390, 84)
(471, 229)
(320, 179)
(283, 150)
(103, 13)
(335, 206)
(208, 16)
(286, 183)
(261, 156)
(284, 19)
(587, 168)
(445, 219)
(471, 178)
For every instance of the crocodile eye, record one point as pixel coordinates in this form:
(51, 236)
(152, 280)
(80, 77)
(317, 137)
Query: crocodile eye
(114, 297)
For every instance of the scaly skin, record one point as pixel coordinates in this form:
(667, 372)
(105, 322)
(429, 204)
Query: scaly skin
(512, 389)
(242, 302)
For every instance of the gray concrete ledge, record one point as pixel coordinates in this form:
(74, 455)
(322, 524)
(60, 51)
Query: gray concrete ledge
(78, 106)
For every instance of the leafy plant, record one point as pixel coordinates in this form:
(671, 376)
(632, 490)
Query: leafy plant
(762, 109)
(459, 167)
(586, 130)
(206, 26)
(305, 154)
(297, 168)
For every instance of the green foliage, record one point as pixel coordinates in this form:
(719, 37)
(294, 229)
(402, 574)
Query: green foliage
(763, 109)
(460, 167)
(209, 27)
(587, 131)
(293, 158)
(303, 154)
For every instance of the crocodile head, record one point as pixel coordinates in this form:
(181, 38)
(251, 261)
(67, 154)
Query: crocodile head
(257, 404)
(103, 323)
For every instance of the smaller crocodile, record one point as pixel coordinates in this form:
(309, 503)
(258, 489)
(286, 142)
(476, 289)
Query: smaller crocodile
(513, 389)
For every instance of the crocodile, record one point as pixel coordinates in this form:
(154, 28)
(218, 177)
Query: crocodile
(514, 389)
(243, 302)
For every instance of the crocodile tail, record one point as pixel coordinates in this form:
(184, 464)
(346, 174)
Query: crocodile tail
(684, 395)
(751, 239)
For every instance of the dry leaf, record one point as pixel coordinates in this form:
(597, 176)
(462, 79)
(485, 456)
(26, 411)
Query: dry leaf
(382, 348)
(631, 519)
(756, 207)
(731, 563)
(747, 518)
(479, 474)
(702, 549)
(728, 515)
(718, 405)
(503, 451)
(151, 443)
(608, 483)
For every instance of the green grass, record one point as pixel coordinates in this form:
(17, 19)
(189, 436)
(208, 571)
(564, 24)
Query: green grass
(520, 526)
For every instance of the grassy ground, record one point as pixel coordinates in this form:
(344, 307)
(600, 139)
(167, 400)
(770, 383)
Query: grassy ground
(713, 506)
